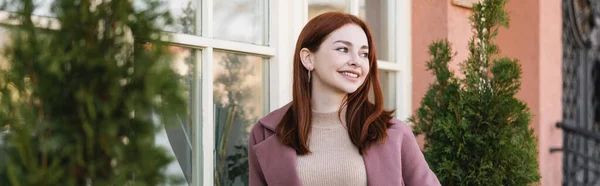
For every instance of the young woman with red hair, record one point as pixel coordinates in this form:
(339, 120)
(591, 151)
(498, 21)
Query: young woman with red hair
(331, 134)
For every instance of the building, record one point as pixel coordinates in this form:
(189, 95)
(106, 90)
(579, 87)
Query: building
(237, 55)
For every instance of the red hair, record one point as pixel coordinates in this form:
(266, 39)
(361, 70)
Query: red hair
(367, 122)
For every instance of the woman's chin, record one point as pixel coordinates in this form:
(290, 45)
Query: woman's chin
(350, 90)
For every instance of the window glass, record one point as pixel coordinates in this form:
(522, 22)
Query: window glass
(241, 20)
(375, 13)
(185, 14)
(42, 7)
(317, 7)
(388, 86)
(179, 130)
(387, 81)
(239, 101)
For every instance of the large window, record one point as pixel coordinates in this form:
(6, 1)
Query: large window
(227, 91)
(235, 58)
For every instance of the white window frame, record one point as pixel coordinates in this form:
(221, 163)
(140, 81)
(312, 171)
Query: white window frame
(204, 159)
(403, 50)
(284, 23)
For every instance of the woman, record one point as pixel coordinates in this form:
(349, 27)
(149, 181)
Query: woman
(331, 134)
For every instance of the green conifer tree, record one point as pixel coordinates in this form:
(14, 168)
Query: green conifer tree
(476, 131)
(80, 100)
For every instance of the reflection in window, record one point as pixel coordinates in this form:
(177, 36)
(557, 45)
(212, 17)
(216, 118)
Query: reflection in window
(388, 86)
(179, 130)
(42, 7)
(183, 13)
(317, 7)
(239, 101)
(241, 20)
(184, 16)
(376, 15)
(387, 81)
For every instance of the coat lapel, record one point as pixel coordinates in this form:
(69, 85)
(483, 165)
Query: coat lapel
(277, 161)
(383, 162)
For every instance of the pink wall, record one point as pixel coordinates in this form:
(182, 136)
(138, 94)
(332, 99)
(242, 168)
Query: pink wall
(521, 41)
(550, 90)
(429, 23)
(459, 33)
(534, 37)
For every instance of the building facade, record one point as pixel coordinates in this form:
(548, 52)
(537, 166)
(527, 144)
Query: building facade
(237, 58)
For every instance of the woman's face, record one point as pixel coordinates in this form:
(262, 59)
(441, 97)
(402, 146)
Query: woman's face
(341, 64)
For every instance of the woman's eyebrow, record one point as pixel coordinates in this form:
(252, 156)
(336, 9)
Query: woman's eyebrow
(350, 44)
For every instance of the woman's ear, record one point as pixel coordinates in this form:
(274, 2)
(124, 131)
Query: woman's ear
(307, 59)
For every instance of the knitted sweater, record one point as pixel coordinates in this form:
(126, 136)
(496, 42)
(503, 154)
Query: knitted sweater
(333, 160)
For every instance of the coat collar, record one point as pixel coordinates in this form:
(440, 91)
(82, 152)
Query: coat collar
(278, 162)
(272, 119)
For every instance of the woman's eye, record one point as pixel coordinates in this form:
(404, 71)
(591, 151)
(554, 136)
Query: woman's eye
(342, 49)
(365, 55)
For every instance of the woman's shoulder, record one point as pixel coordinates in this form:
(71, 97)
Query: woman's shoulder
(399, 130)
(399, 125)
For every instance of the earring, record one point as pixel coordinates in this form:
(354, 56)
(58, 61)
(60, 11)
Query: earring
(309, 76)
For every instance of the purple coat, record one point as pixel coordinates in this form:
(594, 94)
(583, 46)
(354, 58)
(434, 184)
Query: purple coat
(398, 161)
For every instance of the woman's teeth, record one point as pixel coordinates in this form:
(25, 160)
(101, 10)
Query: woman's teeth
(350, 74)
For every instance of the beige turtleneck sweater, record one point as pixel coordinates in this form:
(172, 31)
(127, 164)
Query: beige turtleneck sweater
(334, 159)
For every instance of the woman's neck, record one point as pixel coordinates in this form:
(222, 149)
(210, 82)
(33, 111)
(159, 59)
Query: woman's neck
(325, 101)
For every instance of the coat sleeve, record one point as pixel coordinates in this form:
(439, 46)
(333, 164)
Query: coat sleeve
(256, 177)
(415, 170)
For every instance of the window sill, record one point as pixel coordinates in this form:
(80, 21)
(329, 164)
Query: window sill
(465, 3)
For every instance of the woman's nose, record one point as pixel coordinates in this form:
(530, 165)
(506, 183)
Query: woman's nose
(353, 61)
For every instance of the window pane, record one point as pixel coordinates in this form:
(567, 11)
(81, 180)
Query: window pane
(42, 7)
(239, 101)
(180, 129)
(376, 15)
(317, 7)
(184, 16)
(387, 81)
(241, 20)
(183, 12)
(388, 87)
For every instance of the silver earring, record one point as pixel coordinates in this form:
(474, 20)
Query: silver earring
(309, 76)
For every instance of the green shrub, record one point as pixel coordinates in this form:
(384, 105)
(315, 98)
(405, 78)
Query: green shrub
(78, 100)
(476, 131)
